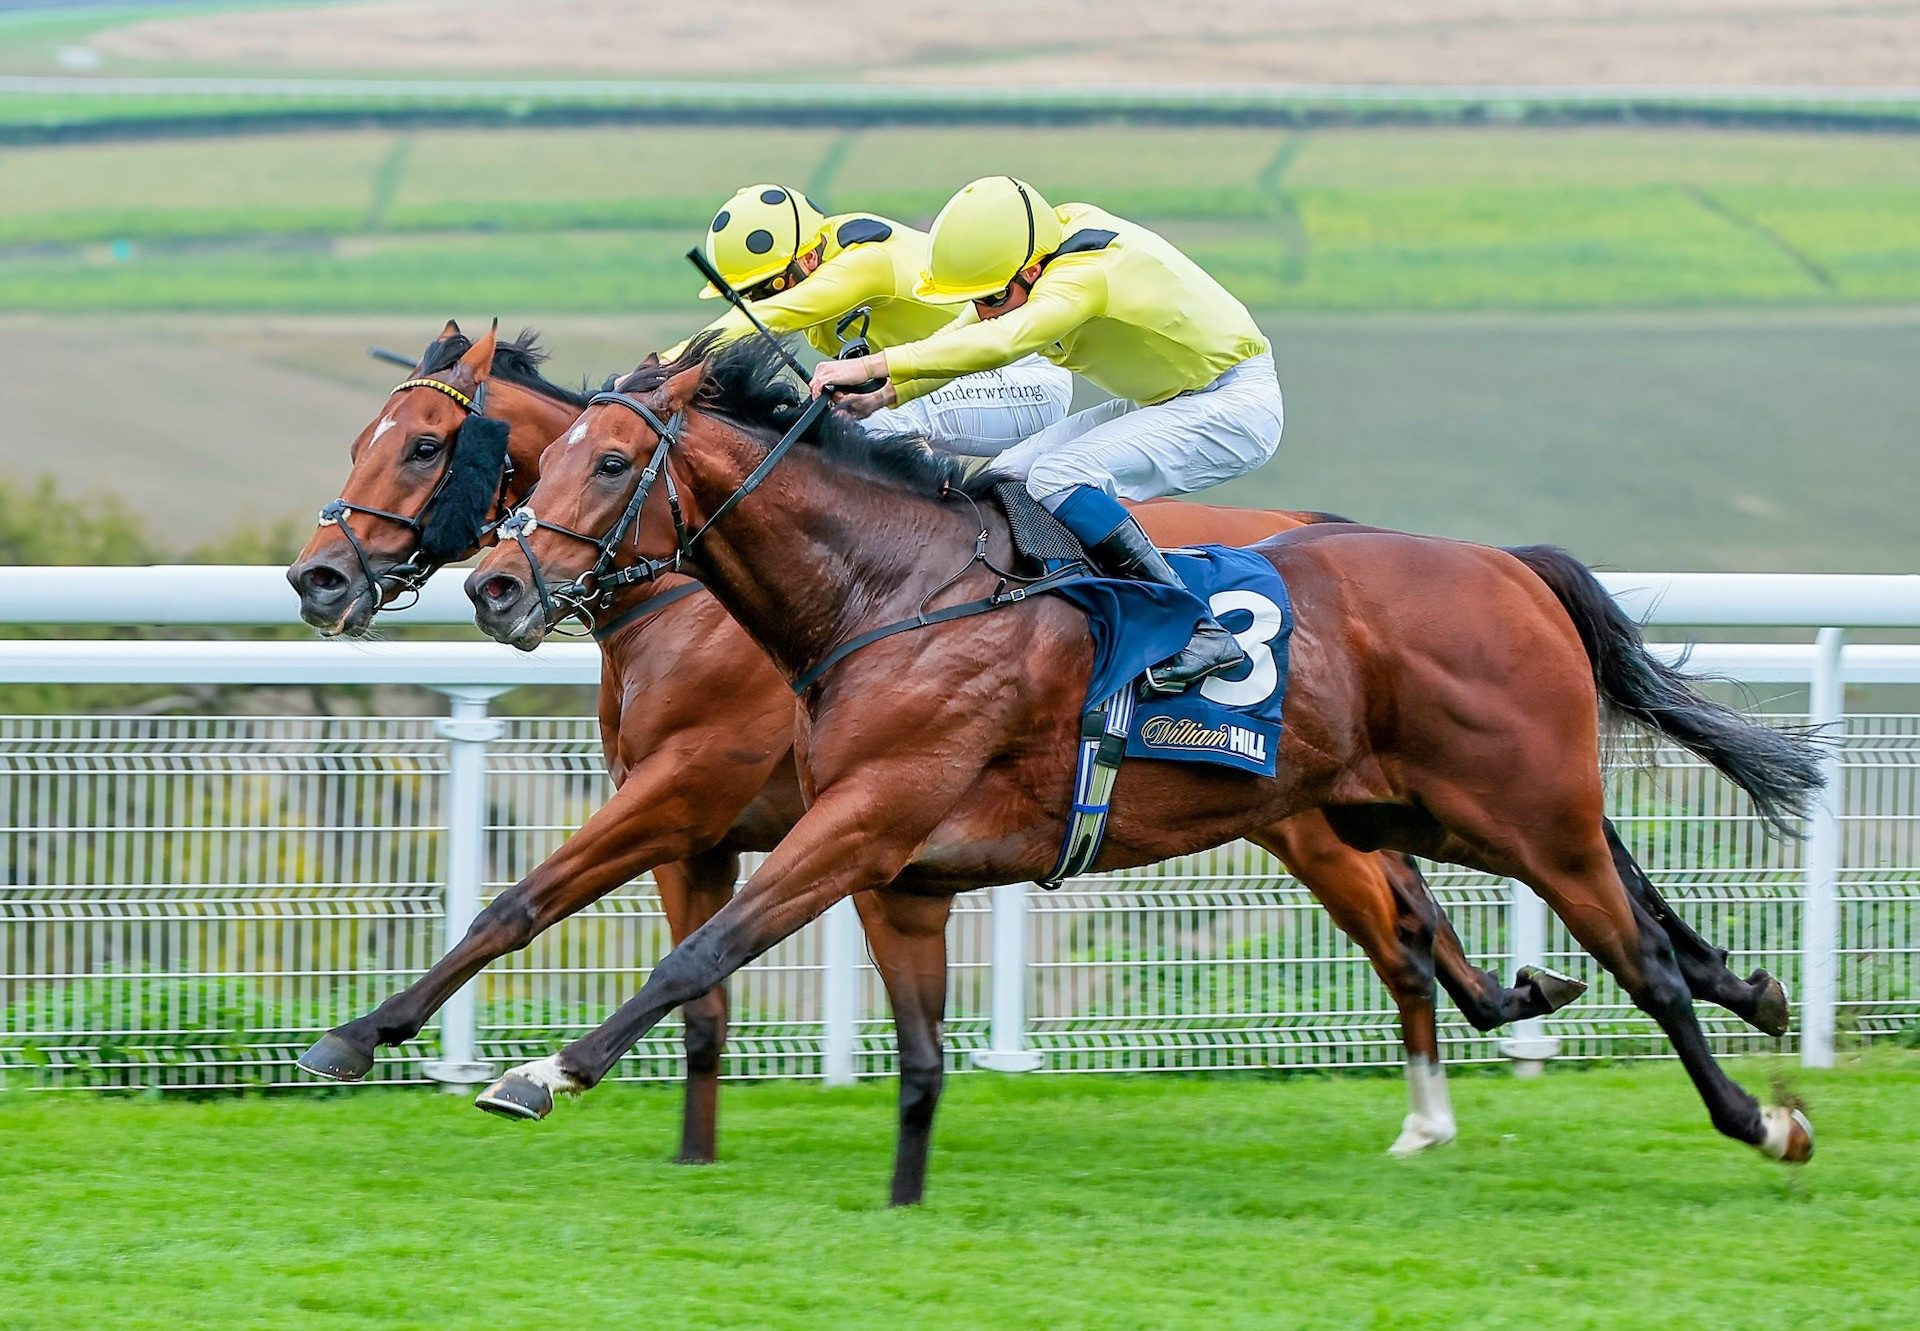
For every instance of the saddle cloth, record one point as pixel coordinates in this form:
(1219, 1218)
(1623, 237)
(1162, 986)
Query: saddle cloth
(1232, 720)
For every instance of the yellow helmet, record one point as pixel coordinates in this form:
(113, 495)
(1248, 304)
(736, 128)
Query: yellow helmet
(758, 232)
(986, 234)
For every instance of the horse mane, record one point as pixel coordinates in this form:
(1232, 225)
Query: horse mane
(518, 362)
(747, 382)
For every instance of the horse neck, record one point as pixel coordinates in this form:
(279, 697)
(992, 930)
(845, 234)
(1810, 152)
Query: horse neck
(819, 552)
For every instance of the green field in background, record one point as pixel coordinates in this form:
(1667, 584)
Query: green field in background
(595, 220)
(1584, 1199)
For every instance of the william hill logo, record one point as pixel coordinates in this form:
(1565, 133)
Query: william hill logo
(1180, 732)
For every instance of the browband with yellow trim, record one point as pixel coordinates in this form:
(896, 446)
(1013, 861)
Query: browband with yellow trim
(439, 387)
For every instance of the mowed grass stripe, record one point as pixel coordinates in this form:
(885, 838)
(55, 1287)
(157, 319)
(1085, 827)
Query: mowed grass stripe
(595, 220)
(1596, 1198)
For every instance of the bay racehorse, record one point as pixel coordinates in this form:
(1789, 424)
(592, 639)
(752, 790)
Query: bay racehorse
(1445, 698)
(698, 729)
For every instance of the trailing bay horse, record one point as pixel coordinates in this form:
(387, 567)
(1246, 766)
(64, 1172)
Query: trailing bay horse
(1444, 702)
(698, 731)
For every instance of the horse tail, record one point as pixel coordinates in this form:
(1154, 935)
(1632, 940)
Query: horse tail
(1779, 769)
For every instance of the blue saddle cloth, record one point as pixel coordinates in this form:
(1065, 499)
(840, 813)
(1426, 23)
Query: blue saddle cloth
(1231, 720)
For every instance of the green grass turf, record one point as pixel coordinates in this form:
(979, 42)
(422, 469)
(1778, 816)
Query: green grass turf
(595, 220)
(1595, 1198)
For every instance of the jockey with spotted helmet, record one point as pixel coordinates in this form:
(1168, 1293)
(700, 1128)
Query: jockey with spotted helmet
(1195, 398)
(849, 279)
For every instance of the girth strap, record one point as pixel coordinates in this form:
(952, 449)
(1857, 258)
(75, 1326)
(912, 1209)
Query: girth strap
(1103, 743)
(928, 618)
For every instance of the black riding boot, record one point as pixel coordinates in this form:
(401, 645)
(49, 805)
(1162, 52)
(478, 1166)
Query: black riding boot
(1127, 553)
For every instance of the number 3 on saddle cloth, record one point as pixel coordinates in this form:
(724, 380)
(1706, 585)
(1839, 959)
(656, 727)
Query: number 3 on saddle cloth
(1232, 721)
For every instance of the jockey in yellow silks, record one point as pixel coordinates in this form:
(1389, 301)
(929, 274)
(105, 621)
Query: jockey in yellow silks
(1196, 400)
(838, 279)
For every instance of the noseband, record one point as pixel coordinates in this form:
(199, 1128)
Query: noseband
(411, 573)
(593, 591)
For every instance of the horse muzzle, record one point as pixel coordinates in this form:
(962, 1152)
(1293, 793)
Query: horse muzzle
(338, 602)
(506, 608)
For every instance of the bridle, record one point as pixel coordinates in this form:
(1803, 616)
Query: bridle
(593, 592)
(412, 573)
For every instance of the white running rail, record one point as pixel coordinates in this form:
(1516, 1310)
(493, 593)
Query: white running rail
(188, 901)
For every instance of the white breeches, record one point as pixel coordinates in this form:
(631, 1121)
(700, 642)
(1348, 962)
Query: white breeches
(983, 414)
(1187, 443)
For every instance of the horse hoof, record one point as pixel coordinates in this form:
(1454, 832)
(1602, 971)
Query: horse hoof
(1771, 1012)
(1417, 1135)
(1789, 1136)
(335, 1057)
(515, 1096)
(1555, 990)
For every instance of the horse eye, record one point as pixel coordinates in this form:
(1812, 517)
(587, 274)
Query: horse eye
(424, 449)
(612, 465)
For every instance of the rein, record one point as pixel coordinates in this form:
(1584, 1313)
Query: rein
(410, 574)
(594, 590)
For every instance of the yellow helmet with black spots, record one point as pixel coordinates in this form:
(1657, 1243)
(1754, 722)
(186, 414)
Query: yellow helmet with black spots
(985, 235)
(758, 233)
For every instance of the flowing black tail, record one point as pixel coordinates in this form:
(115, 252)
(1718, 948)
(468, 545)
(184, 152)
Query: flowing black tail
(1779, 769)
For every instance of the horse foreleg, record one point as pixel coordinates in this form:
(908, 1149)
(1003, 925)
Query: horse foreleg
(907, 936)
(1398, 941)
(691, 891)
(644, 824)
(850, 840)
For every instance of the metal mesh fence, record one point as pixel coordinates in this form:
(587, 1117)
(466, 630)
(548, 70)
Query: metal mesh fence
(188, 902)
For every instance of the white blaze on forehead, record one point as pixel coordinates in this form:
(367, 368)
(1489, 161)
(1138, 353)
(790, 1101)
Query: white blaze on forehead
(386, 423)
(577, 433)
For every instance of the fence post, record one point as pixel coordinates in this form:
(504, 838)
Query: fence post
(841, 999)
(1007, 1038)
(1826, 706)
(468, 730)
(1529, 1046)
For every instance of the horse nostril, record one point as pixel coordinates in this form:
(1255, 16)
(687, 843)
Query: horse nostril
(500, 589)
(324, 581)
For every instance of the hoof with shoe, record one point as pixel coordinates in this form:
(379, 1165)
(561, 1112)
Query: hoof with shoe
(337, 1058)
(515, 1096)
(1555, 990)
(1789, 1136)
(1772, 1013)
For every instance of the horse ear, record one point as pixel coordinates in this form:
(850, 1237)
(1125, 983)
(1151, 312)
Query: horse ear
(677, 393)
(451, 330)
(478, 360)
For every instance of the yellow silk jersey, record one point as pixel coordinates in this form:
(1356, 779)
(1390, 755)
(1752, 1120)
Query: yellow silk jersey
(1116, 304)
(867, 261)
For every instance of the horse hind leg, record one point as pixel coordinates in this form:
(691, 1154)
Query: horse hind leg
(1482, 999)
(1355, 889)
(1759, 999)
(1587, 891)
(1363, 830)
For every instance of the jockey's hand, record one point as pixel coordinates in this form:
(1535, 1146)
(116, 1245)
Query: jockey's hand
(846, 373)
(862, 405)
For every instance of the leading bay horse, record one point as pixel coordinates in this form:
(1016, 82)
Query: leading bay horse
(1444, 701)
(698, 729)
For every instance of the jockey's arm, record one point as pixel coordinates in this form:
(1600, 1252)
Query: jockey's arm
(852, 278)
(1064, 298)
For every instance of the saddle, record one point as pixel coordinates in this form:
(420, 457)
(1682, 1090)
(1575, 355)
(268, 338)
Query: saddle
(1040, 539)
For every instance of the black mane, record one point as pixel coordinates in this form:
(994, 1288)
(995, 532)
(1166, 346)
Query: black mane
(747, 381)
(518, 362)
